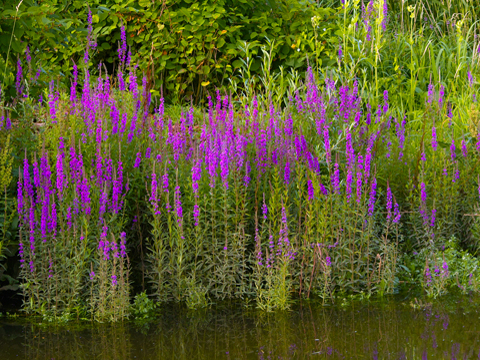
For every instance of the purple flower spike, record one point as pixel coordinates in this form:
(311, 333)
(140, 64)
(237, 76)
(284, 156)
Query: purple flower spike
(264, 208)
(432, 219)
(310, 190)
(431, 90)
(138, 160)
(452, 150)
(389, 202)
(423, 193)
(464, 148)
(371, 201)
(19, 79)
(336, 179)
(396, 213)
(434, 139)
(286, 173)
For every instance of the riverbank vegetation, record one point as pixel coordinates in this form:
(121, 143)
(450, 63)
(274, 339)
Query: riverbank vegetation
(334, 153)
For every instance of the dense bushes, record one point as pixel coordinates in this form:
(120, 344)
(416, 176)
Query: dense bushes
(181, 45)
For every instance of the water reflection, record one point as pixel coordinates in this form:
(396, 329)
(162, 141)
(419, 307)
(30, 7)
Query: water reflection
(446, 330)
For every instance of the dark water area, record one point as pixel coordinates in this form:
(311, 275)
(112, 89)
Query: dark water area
(445, 329)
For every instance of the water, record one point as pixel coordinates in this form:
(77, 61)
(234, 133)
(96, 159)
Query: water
(448, 329)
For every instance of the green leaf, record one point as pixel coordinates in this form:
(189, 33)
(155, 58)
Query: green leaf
(17, 46)
(220, 43)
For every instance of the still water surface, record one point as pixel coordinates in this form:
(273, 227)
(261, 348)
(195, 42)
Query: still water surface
(448, 329)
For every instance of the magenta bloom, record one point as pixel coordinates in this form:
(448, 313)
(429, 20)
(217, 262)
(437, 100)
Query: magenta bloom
(336, 179)
(19, 79)
(373, 194)
(396, 213)
(310, 190)
(348, 184)
(464, 148)
(389, 202)
(196, 213)
(328, 261)
(286, 173)
(359, 186)
(138, 160)
(430, 93)
(434, 139)
(423, 193)
(452, 150)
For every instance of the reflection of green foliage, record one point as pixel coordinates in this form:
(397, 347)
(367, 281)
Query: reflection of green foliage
(236, 334)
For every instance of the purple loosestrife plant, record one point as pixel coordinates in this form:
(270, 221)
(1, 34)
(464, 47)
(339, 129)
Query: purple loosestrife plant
(286, 173)
(464, 148)
(336, 180)
(431, 92)
(359, 186)
(52, 103)
(452, 149)
(138, 160)
(389, 202)
(397, 214)
(311, 193)
(434, 138)
(348, 184)
(19, 79)
(441, 95)
(178, 205)
(371, 200)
